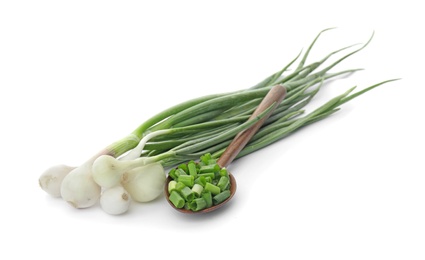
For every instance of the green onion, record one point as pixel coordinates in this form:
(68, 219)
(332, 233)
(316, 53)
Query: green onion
(198, 204)
(180, 172)
(223, 172)
(213, 161)
(207, 196)
(223, 183)
(187, 180)
(209, 168)
(201, 180)
(187, 194)
(197, 189)
(219, 198)
(172, 186)
(173, 174)
(206, 158)
(177, 200)
(207, 174)
(179, 186)
(198, 192)
(212, 188)
(206, 125)
(192, 169)
(183, 169)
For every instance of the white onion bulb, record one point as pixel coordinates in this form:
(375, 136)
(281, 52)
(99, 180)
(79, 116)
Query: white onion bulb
(79, 189)
(107, 171)
(51, 180)
(115, 200)
(145, 183)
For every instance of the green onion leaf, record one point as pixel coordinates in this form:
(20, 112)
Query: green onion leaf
(223, 183)
(176, 199)
(219, 198)
(187, 180)
(212, 188)
(187, 194)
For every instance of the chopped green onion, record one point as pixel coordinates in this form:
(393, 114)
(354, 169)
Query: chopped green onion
(187, 180)
(197, 189)
(198, 204)
(179, 186)
(204, 190)
(209, 168)
(219, 198)
(192, 169)
(187, 206)
(172, 186)
(212, 188)
(173, 174)
(207, 174)
(187, 194)
(212, 161)
(201, 181)
(208, 198)
(180, 172)
(223, 172)
(206, 158)
(223, 183)
(183, 167)
(177, 200)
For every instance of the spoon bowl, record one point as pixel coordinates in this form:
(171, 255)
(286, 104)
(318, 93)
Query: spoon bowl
(183, 210)
(272, 99)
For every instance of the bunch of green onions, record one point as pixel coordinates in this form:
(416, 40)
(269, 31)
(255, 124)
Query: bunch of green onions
(133, 167)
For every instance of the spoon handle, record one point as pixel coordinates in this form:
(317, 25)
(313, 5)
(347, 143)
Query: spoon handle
(275, 95)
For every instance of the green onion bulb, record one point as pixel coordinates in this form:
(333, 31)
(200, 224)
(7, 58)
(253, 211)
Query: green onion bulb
(144, 183)
(51, 180)
(79, 189)
(115, 200)
(107, 171)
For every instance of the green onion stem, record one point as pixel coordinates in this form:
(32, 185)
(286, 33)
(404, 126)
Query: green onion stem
(242, 109)
(141, 130)
(204, 117)
(203, 133)
(225, 135)
(207, 196)
(187, 193)
(180, 130)
(303, 60)
(222, 196)
(212, 188)
(207, 124)
(272, 78)
(279, 130)
(176, 199)
(224, 101)
(198, 204)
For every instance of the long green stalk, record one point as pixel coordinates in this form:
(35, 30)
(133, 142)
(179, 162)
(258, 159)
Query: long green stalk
(233, 108)
(277, 131)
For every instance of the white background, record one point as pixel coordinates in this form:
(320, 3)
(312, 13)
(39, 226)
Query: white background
(78, 75)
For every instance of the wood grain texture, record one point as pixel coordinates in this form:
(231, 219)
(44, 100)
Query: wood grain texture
(275, 95)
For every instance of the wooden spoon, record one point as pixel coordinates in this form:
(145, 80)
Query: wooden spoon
(274, 96)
